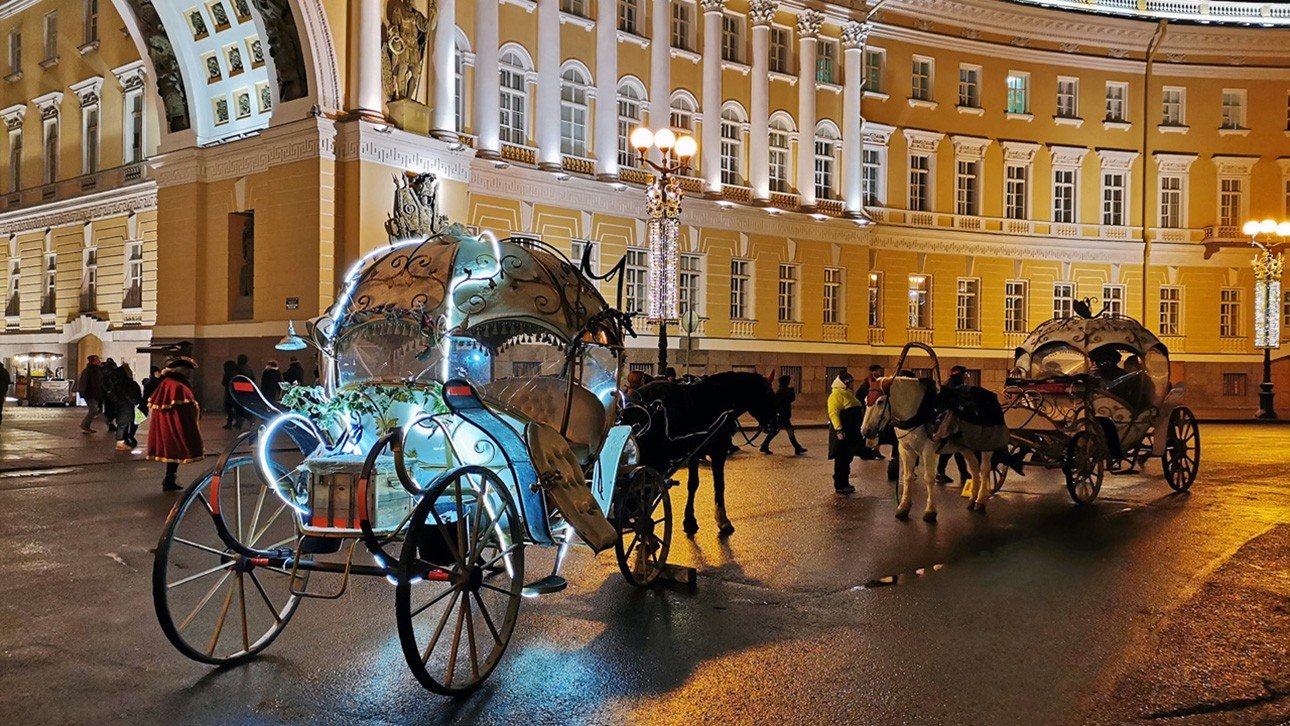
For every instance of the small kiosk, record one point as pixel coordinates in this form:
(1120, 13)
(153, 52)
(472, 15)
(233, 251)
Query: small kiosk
(40, 380)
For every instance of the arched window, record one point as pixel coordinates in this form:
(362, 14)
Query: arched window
(682, 112)
(631, 99)
(573, 112)
(732, 122)
(459, 93)
(780, 128)
(515, 98)
(826, 147)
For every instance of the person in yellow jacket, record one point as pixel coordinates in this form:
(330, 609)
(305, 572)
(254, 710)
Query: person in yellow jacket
(845, 415)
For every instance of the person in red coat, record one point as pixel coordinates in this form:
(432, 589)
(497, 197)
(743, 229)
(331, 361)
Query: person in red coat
(174, 436)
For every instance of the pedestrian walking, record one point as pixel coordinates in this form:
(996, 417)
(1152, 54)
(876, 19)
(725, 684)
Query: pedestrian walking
(845, 417)
(90, 386)
(295, 374)
(150, 385)
(244, 366)
(123, 397)
(785, 395)
(232, 413)
(174, 436)
(958, 377)
(5, 380)
(271, 381)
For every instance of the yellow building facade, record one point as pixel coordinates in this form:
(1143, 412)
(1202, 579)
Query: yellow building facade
(946, 171)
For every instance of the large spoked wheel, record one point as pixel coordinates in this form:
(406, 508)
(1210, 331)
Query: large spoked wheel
(461, 573)
(1084, 466)
(213, 602)
(643, 516)
(1181, 460)
(999, 472)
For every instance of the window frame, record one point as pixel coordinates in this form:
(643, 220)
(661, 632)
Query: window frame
(1117, 102)
(574, 143)
(1240, 108)
(924, 174)
(1063, 299)
(1016, 191)
(690, 283)
(741, 273)
(1068, 205)
(967, 305)
(788, 308)
(967, 187)
(922, 84)
(873, 298)
(1175, 217)
(733, 37)
(1113, 294)
(970, 86)
(1115, 198)
(1017, 84)
(1171, 306)
(1016, 306)
(1068, 110)
(514, 102)
(1229, 312)
(920, 302)
(1179, 117)
(834, 278)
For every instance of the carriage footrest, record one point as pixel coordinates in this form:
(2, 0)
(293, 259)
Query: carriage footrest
(319, 545)
(545, 586)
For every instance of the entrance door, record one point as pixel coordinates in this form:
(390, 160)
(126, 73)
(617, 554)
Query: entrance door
(85, 347)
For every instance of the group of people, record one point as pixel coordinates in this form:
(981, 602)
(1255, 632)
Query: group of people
(272, 379)
(111, 390)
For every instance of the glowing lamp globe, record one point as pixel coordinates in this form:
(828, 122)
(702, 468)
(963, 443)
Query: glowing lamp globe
(664, 139)
(1268, 226)
(1283, 229)
(686, 148)
(642, 138)
(1251, 228)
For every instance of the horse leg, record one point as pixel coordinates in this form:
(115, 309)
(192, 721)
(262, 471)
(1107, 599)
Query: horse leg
(927, 460)
(691, 525)
(906, 478)
(724, 527)
(977, 467)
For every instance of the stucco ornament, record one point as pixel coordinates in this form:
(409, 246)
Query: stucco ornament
(809, 22)
(854, 35)
(407, 30)
(761, 12)
(416, 208)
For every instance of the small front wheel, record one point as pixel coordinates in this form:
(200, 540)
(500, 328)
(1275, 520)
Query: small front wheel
(1084, 466)
(1181, 459)
(461, 573)
(643, 518)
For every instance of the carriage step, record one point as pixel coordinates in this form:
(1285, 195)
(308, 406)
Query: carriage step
(545, 586)
(310, 545)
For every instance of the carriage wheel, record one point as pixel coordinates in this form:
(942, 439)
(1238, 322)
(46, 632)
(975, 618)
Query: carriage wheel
(1084, 466)
(214, 604)
(1181, 460)
(461, 572)
(1001, 471)
(643, 517)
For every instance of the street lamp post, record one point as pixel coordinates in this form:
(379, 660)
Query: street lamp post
(1268, 266)
(663, 208)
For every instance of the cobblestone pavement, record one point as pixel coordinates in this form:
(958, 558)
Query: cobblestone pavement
(1145, 606)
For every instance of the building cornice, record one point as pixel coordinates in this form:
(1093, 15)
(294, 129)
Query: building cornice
(13, 7)
(308, 138)
(99, 205)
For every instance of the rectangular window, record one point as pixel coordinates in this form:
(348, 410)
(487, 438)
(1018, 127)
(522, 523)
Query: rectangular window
(730, 152)
(920, 302)
(778, 154)
(133, 297)
(1171, 310)
(1116, 99)
(89, 279)
(875, 299)
(832, 295)
(459, 89)
(91, 21)
(629, 115)
(1113, 198)
(1063, 299)
(970, 86)
(732, 38)
(1067, 97)
(921, 85)
(51, 150)
(875, 60)
(824, 161)
(788, 293)
(740, 288)
(627, 16)
(826, 61)
(134, 129)
(15, 51)
(689, 284)
(967, 182)
(635, 274)
(51, 36)
(90, 145)
(13, 300)
(15, 160)
(573, 115)
(871, 177)
(1014, 306)
(514, 105)
(49, 299)
(1017, 199)
(1233, 108)
(1113, 300)
(1231, 202)
(1064, 196)
(1229, 312)
(1018, 92)
(1234, 384)
(1171, 202)
(780, 48)
(682, 23)
(589, 249)
(919, 183)
(1172, 108)
(968, 310)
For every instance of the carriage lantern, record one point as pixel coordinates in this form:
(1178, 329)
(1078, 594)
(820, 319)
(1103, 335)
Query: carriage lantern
(1268, 265)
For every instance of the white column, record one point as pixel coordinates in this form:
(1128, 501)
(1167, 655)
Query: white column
(367, 99)
(808, 31)
(660, 64)
(853, 38)
(760, 12)
(444, 121)
(710, 104)
(606, 128)
(546, 116)
(486, 121)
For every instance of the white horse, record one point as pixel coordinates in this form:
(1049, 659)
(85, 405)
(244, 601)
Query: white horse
(908, 405)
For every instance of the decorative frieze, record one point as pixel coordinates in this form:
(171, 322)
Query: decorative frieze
(1117, 159)
(1019, 152)
(970, 147)
(876, 134)
(1068, 155)
(131, 76)
(88, 91)
(1234, 165)
(13, 115)
(1174, 163)
(112, 203)
(920, 140)
(48, 104)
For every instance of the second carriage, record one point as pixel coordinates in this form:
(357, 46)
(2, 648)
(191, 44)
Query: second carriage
(469, 408)
(1090, 394)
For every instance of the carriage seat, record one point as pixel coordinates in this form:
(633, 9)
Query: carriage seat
(542, 399)
(560, 475)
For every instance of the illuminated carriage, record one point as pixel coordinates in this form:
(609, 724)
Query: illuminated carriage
(1089, 393)
(469, 407)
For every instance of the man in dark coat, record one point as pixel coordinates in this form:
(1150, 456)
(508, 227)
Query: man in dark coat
(784, 398)
(5, 380)
(958, 377)
(295, 374)
(90, 386)
(271, 381)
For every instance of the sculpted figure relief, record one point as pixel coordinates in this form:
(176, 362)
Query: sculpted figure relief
(416, 207)
(407, 31)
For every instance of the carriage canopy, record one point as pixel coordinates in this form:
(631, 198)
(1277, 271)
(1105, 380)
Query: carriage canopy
(1101, 345)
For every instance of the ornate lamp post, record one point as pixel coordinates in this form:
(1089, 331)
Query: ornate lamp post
(1268, 266)
(663, 208)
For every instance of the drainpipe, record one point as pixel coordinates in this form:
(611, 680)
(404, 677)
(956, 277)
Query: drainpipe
(1157, 39)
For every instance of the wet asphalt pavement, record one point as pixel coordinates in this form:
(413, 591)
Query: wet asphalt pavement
(1144, 607)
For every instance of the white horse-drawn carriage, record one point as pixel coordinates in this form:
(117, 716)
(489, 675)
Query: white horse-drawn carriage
(469, 408)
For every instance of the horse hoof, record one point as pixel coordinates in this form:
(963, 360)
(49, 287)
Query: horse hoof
(971, 506)
(929, 516)
(902, 514)
(980, 508)
(691, 528)
(726, 531)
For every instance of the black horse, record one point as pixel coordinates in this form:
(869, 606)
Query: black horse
(681, 423)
